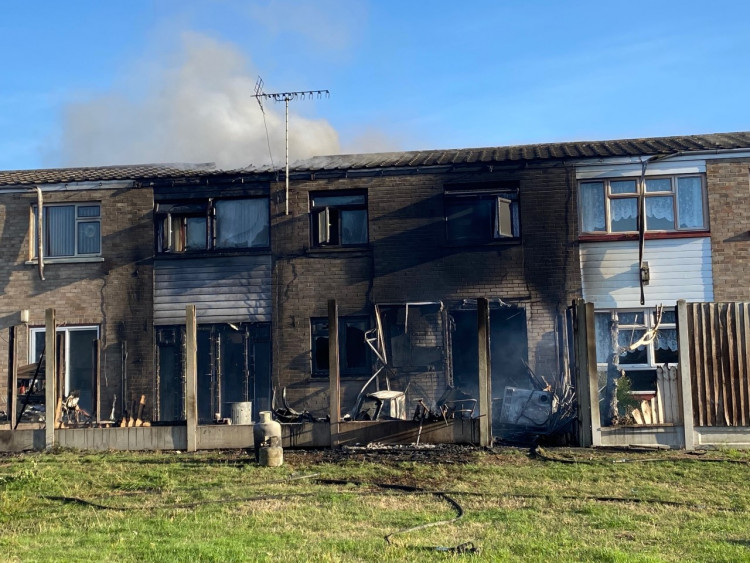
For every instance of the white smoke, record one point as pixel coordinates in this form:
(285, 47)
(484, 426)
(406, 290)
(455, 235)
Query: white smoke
(197, 108)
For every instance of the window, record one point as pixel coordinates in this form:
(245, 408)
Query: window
(673, 203)
(78, 358)
(354, 357)
(212, 225)
(632, 325)
(339, 219)
(68, 230)
(481, 216)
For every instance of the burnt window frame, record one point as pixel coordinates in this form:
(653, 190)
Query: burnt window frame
(320, 213)
(504, 199)
(185, 209)
(319, 329)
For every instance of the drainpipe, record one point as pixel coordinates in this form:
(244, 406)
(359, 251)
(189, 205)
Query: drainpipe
(40, 231)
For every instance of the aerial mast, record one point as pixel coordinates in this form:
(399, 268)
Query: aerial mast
(286, 97)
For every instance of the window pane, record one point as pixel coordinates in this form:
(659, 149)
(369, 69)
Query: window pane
(242, 223)
(60, 230)
(603, 338)
(88, 211)
(622, 186)
(690, 203)
(592, 207)
(355, 354)
(195, 238)
(630, 318)
(337, 200)
(88, 237)
(659, 185)
(623, 214)
(354, 226)
(627, 336)
(470, 221)
(660, 213)
(667, 317)
(665, 346)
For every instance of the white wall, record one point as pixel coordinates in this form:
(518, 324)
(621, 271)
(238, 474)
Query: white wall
(680, 269)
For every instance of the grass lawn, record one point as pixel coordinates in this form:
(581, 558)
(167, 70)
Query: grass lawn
(570, 505)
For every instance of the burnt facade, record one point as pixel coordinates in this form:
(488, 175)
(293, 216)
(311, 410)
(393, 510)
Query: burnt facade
(404, 243)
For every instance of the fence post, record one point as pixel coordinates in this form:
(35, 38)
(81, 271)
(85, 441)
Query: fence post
(334, 382)
(50, 378)
(686, 385)
(191, 378)
(485, 379)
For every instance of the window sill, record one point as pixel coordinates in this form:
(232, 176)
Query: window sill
(68, 260)
(607, 237)
(487, 244)
(339, 250)
(212, 253)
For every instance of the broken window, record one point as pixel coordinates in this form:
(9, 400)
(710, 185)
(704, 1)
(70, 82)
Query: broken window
(78, 358)
(673, 203)
(233, 364)
(339, 219)
(354, 357)
(68, 230)
(636, 351)
(212, 225)
(476, 216)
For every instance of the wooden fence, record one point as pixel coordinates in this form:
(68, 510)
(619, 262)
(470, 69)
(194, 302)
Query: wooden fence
(719, 344)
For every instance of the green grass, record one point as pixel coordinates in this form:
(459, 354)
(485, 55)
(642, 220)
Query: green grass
(220, 506)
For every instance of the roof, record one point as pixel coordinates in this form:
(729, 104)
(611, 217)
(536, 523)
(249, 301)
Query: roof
(538, 152)
(103, 173)
(410, 159)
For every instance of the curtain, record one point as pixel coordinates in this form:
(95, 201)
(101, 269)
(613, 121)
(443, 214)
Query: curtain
(242, 223)
(592, 207)
(666, 339)
(60, 231)
(624, 208)
(690, 203)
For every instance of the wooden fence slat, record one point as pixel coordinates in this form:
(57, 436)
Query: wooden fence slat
(731, 351)
(699, 417)
(674, 413)
(724, 376)
(745, 350)
(739, 366)
(705, 333)
(661, 395)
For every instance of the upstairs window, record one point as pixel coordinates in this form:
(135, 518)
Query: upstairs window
(354, 358)
(339, 219)
(481, 216)
(69, 231)
(673, 203)
(212, 225)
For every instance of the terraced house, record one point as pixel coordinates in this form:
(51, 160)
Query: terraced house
(411, 246)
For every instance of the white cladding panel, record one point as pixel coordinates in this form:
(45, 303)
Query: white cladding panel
(680, 269)
(223, 289)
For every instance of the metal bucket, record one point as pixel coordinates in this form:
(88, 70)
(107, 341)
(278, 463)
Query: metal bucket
(242, 412)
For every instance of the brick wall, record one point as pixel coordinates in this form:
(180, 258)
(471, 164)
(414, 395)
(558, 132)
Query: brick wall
(115, 294)
(728, 184)
(409, 260)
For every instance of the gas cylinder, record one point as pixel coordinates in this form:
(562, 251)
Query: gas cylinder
(267, 438)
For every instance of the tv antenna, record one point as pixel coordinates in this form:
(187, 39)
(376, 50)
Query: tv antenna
(285, 97)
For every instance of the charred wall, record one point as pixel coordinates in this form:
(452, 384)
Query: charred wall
(409, 259)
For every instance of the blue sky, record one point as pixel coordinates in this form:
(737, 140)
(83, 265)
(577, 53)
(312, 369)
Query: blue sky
(97, 83)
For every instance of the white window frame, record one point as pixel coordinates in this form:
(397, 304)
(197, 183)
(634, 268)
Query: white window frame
(640, 188)
(648, 313)
(60, 329)
(76, 220)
